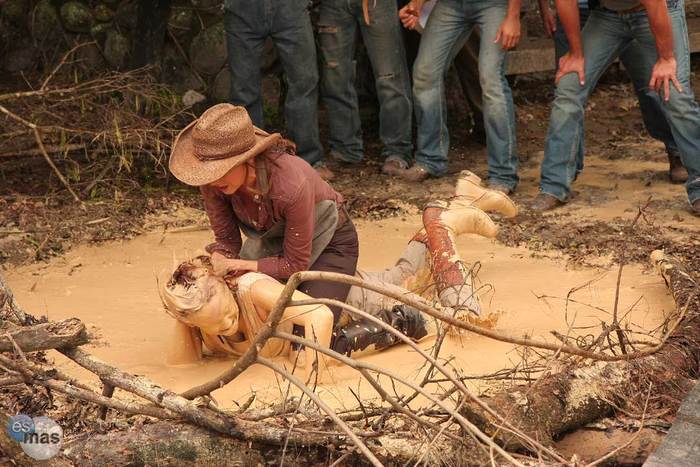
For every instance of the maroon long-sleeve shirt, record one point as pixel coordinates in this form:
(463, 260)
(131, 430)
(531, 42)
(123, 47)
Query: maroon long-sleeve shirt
(294, 189)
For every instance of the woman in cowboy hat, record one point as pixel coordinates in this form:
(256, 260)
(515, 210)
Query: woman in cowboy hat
(251, 183)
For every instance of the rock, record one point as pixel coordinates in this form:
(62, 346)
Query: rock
(116, 49)
(103, 13)
(127, 14)
(192, 97)
(15, 11)
(91, 58)
(221, 89)
(99, 32)
(46, 25)
(208, 6)
(22, 57)
(176, 72)
(180, 21)
(76, 17)
(208, 50)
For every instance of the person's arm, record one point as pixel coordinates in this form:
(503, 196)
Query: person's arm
(573, 61)
(223, 222)
(509, 32)
(410, 13)
(298, 215)
(548, 20)
(664, 71)
(317, 320)
(185, 345)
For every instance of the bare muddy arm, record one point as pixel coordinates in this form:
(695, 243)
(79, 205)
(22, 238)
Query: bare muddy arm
(185, 345)
(317, 320)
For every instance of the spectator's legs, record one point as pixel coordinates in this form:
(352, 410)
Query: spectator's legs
(294, 40)
(245, 34)
(603, 38)
(467, 64)
(497, 99)
(447, 26)
(681, 110)
(561, 47)
(384, 44)
(336, 34)
(652, 113)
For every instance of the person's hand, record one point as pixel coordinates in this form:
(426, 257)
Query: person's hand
(220, 263)
(223, 265)
(663, 74)
(548, 21)
(571, 64)
(409, 15)
(509, 32)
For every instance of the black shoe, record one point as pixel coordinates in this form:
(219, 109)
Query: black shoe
(410, 321)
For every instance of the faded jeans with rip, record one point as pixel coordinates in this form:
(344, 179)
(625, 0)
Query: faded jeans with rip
(338, 24)
(449, 25)
(604, 38)
(248, 23)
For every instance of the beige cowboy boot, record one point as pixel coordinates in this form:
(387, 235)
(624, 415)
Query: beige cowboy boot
(470, 192)
(453, 278)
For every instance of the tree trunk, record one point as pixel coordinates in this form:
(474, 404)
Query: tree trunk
(572, 398)
(54, 335)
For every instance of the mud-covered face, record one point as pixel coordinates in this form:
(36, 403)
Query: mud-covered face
(199, 299)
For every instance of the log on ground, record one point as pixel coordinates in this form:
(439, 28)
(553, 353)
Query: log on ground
(53, 335)
(569, 399)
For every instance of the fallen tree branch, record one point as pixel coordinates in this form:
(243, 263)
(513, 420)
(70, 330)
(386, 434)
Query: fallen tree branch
(575, 396)
(54, 335)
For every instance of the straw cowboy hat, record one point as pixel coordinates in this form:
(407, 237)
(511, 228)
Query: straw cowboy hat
(222, 138)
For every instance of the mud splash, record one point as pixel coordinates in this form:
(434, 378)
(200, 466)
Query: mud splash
(113, 289)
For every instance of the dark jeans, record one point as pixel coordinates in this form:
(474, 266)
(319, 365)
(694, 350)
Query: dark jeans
(339, 256)
(652, 114)
(248, 24)
(338, 25)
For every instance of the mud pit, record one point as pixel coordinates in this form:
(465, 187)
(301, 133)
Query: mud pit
(112, 288)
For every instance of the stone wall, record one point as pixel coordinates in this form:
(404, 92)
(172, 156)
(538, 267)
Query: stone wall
(183, 38)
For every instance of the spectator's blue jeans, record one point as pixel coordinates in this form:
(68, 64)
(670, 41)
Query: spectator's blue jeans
(605, 36)
(449, 25)
(337, 27)
(248, 24)
(652, 115)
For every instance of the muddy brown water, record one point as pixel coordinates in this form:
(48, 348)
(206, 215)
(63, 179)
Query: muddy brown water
(112, 288)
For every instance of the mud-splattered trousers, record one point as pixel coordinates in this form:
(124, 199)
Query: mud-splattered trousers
(338, 24)
(652, 115)
(605, 36)
(248, 24)
(449, 26)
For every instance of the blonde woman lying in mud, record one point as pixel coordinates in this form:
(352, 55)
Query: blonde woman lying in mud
(224, 314)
